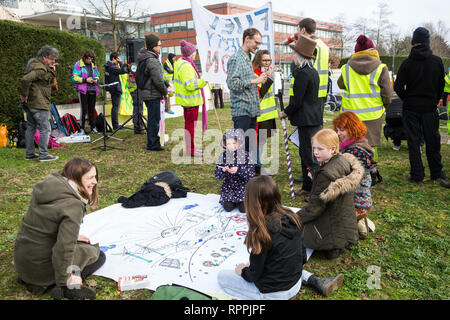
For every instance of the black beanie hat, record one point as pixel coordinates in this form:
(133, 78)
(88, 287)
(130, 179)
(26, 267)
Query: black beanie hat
(421, 35)
(151, 41)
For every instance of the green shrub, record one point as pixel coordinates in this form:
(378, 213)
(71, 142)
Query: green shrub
(20, 42)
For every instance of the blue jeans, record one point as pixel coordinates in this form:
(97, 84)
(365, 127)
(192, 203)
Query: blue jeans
(153, 118)
(237, 287)
(35, 118)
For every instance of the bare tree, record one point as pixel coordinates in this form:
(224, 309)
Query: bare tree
(382, 26)
(117, 12)
(438, 32)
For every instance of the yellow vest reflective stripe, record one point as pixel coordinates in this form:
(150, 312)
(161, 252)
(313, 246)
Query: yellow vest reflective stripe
(168, 76)
(291, 87)
(447, 83)
(321, 65)
(267, 106)
(187, 84)
(362, 94)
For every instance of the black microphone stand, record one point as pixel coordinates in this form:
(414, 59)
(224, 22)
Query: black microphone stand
(105, 136)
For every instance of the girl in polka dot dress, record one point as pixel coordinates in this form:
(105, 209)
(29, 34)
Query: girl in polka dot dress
(235, 169)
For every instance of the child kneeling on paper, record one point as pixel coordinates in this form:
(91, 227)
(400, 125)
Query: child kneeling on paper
(277, 254)
(235, 169)
(329, 219)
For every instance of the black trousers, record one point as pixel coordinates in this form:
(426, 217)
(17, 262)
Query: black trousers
(306, 154)
(91, 268)
(416, 124)
(87, 102)
(246, 123)
(115, 101)
(138, 107)
(218, 96)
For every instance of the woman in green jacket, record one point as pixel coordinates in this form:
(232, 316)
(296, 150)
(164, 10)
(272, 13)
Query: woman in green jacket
(49, 252)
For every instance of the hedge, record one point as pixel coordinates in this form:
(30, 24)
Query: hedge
(20, 42)
(397, 62)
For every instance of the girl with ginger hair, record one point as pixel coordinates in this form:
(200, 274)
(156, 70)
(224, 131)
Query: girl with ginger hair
(352, 135)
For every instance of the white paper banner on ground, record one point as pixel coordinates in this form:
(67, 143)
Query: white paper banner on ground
(186, 241)
(220, 36)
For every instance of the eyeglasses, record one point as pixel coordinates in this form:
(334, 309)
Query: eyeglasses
(266, 60)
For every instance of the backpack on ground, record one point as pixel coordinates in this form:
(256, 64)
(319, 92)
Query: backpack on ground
(394, 113)
(178, 292)
(70, 123)
(57, 123)
(394, 122)
(52, 144)
(21, 131)
(141, 78)
(100, 123)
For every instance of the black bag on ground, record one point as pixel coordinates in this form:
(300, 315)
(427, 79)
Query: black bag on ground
(394, 113)
(21, 134)
(100, 123)
(394, 122)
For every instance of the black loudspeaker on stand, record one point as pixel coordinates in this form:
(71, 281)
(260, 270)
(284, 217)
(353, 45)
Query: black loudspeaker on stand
(105, 136)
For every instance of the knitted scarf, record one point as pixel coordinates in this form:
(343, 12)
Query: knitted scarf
(344, 144)
(204, 115)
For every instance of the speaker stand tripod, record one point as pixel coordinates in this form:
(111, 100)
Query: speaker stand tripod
(105, 135)
(139, 115)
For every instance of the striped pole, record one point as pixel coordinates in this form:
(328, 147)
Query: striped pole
(286, 143)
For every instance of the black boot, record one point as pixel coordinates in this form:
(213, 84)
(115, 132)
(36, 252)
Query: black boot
(333, 253)
(32, 288)
(82, 293)
(326, 286)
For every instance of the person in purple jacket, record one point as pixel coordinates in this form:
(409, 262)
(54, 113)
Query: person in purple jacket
(235, 169)
(85, 77)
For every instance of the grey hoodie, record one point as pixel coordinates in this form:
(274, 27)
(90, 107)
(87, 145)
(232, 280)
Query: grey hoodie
(155, 87)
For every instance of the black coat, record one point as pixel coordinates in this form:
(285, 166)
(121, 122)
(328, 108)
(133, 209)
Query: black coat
(420, 80)
(280, 267)
(112, 73)
(304, 107)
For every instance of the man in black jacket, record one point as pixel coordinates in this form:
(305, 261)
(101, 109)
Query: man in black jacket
(304, 109)
(420, 83)
(113, 68)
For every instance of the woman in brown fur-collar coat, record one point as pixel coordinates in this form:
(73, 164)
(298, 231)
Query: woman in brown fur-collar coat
(329, 221)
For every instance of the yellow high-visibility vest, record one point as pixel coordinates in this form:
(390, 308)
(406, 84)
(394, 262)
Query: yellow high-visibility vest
(362, 94)
(447, 83)
(168, 76)
(267, 106)
(321, 65)
(187, 84)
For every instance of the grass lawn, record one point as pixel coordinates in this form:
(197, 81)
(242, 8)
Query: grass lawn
(410, 246)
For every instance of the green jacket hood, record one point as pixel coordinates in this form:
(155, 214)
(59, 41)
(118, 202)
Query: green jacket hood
(53, 187)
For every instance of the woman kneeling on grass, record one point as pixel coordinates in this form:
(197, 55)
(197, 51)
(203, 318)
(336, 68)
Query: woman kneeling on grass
(48, 247)
(329, 219)
(277, 253)
(352, 135)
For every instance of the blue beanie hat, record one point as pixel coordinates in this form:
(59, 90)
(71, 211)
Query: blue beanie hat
(421, 35)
